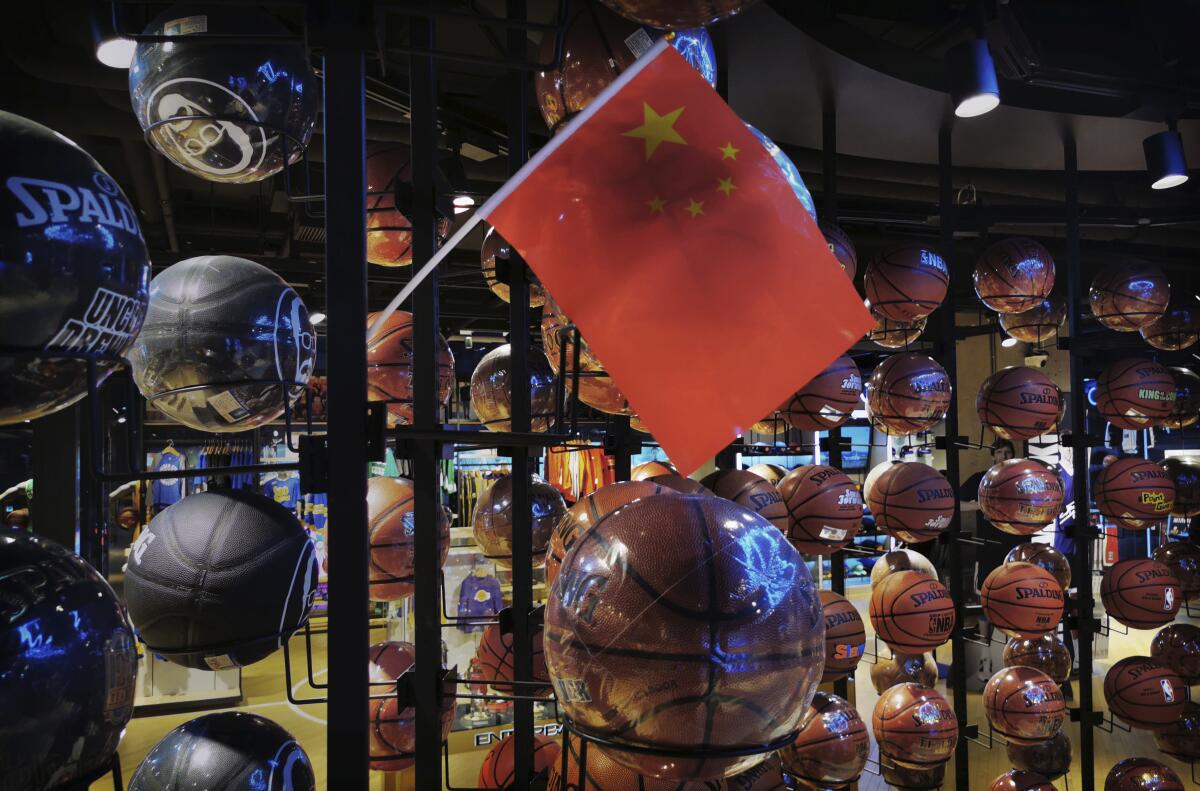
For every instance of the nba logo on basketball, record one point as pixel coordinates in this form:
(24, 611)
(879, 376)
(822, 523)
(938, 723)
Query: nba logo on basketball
(1168, 691)
(1168, 599)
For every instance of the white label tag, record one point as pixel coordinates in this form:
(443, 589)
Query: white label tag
(638, 42)
(228, 406)
(222, 662)
(186, 26)
(831, 533)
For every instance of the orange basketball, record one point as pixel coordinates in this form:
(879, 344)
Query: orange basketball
(903, 668)
(903, 559)
(1024, 705)
(492, 522)
(601, 772)
(1142, 774)
(912, 501)
(1043, 555)
(494, 659)
(828, 399)
(908, 778)
(597, 389)
(841, 247)
(824, 506)
(1186, 409)
(1129, 295)
(1134, 493)
(1135, 393)
(1185, 472)
(1019, 780)
(1176, 329)
(649, 469)
(389, 232)
(907, 393)
(911, 612)
(498, 771)
(906, 283)
(494, 256)
(772, 424)
(771, 473)
(679, 484)
(1020, 496)
(491, 390)
(749, 491)
(1051, 758)
(391, 527)
(389, 366)
(1178, 647)
(1183, 559)
(584, 514)
(832, 747)
(1014, 275)
(1142, 594)
(1038, 325)
(1019, 402)
(393, 738)
(1022, 600)
(845, 638)
(1045, 653)
(1144, 693)
(914, 726)
(894, 334)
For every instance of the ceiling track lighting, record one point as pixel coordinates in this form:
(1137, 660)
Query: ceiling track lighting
(973, 84)
(1165, 162)
(112, 49)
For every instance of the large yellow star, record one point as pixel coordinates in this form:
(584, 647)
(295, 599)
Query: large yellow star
(695, 207)
(656, 205)
(729, 152)
(726, 186)
(657, 129)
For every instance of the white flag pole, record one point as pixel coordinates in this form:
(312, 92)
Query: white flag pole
(509, 186)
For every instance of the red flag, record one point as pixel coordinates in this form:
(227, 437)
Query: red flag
(669, 235)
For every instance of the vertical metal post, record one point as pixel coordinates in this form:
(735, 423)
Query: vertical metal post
(55, 507)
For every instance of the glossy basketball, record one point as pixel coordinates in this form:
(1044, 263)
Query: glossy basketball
(391, 530)
(1135, 393)
(392, 730)
(771, 473)
(1019, 402)
(602, 773)
(1144, 693)
(1183, 559)
(869, 482)
(1181, 738)
(491, 390)
(495, 255)
(1129, 295)
(1178, 647)
(911, 612)
(1051, 758)
(1185, 472)
(390, 366)
(492, 521)
(1020, 496)
(907, 393)
(841, 247)
(903, 668)
(679, 484)
(845, 638)
(1135, 493)
(1038, 325)
(832, 747)
(824, 507)
(1142, 774)
(908, 778)
(907, 282)
(498, 770)
(1044, 555)
(1142, 594)
(772, 425)
(584, 514)
(891, 334)
(912, 502)
(828, 399)
(389, 231)
(914, 726)
(1020, 780)
(1045, 653)
(1014, 275)
(494, 659)
(1022, 600)
(675, 14)
(597, 389)
(749, 491)
(1024, 705)
(1176, 329)
(650, 469)
(900, 560)
(1186, 409)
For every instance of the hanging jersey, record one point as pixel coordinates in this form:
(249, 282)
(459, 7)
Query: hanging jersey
(168, 491)
(285, 491)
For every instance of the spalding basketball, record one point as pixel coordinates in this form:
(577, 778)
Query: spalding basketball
(1039, 325)
(1176, 329)
(495, 254)
(900, 560)
(1044, 555)
(1020, 496)
(584, 514)
(1024, 705)
(390, 366)
(1135, 393)
(1186, 410)
(619, 599)
(389, 232)
(832, 747)
(1051, 758)
(907, 393)
(1185, 472)
(1142, 774)
(902, 669)
(892, 334)
(679, 484)
(491, 390)
(676, 14)
(597, 389)
(914, 726)
(906, 283)
(841, 247)
(828, 399)
(1134, 493)
(771, 473)
(498, 770)
(391, 527)
(845, 638)
(494, 662)
(1019, 780)
(1144, 693)
(824, 506)
(908, 778)
(1014, 275)
(1019, 402)
(1142, 594)
(650, 469)
(911, 612)
(492, 521)
(869, 482)
(1022, 600)
(1181, 739)
(912, 501)
(392, 730)
(1129, 295)
(1183, 559)
(1178, 647)
(749, 491)
(1045, 653)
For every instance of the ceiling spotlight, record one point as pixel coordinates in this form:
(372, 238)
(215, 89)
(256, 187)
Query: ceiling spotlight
(112, 50)
(1164, 159)
(1009, 342)
(973, 84)
(463, 203)
(316, 318)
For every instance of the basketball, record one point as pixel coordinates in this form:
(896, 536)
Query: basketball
(832, 747)
(1018, 780)
(220, 579)
(1019, 402)
(492, 522)
(391, 527)
(619, 599)
(602, 773)
(1044, 555)
(1020, 496)
(906, 283)
(674, 14)
(911, 612)
(1142, 594)
(901, 560)
(597, 389)
(824, 506)
(498, 771)
(392, 730)
(1183, 559)
(907, 393)
(771, 473)
(225, 344)
(1142, 774)
(1014, 275)
(841, 247)
(1135, 393)
(1176, 329)
(494, 660)
(845, 638)
(1129, 295)
(679, 484)
(1178, 647)
(1050, 759)
(749, 491)
(894, 334)
(907, 778)
(389, 232)
(494, 256)
(902, 669)
(1185, 472)
(828, 399)
(650, 469)
(1045, 653)
(912, 502)
(1186, 410)
(1038, 325)
(1022, 600)
(491, 390)
(1181, 739)
(390, 366)
(1144, 693)
(1135, 493)
(869, 482)
(772, 425)
(914, 726)
(1024, 704)
(584, 514)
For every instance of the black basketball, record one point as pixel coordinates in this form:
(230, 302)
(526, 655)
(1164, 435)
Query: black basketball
(68, 665)
(73, 269)
(220, 579)
(230, 750)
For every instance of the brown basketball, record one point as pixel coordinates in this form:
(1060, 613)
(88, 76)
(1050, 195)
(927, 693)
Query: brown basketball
(1185, 472)
(1022, 600)
(845, 638)
(1176, 329)
(494, 257)
(1129, 295)
(389, 232)
(1142, 774)
(773, 424)
(1014, 275)
(1134, 493)
(1181, 739)
(1024, 704)
(1183, 559)
(1186, 410)
(679, 484)
(912, 501)
(492, 521)
(1135, 393)
(389, 366)
(832, 747)
(498, 771)
(824, 506)
(749, 491)
(771, 473)
(1038, 325)
(911, 612)
(494, 659)
(1019, 402)
(895, 334)
(907, 393)
(1045, 653)
(900, 560)
(391, 527)
(1051, 758)
(1178, 647)
(914, 726)
(676, 14)
(602, 773)
(1043, 555)
(907, 282)
(1020, 496)
(491, 390)
(1144, 693)
(1142, 594)
(392, 730)
(828, 399)
(841, 247)
(903, 668)
(649, 469)
(908, 778)
(1019, 780)
(584, 514)
(661, 608)
(597, 389)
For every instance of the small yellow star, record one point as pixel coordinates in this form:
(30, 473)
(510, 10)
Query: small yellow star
(729, 152)
(695, 207)
(726, 186)
(656, 205)
(657, 129)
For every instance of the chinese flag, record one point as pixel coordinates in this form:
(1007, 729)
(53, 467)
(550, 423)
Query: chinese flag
(670, 236)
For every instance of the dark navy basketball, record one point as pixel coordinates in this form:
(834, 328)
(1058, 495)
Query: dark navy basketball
(68, 665)
(220, 579)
